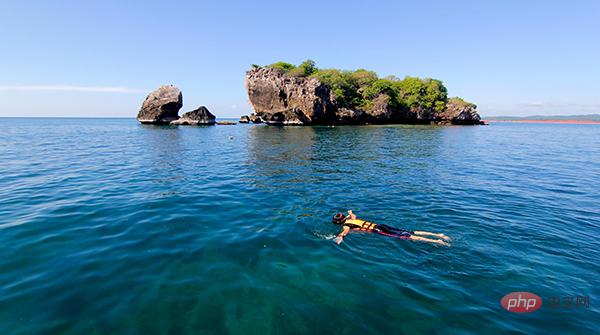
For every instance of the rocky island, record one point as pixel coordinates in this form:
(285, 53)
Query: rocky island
(161, 107)
(285, 94)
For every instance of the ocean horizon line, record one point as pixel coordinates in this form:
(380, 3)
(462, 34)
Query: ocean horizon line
(90, 117)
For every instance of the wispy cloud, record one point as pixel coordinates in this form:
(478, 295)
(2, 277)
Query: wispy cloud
(71, 88)
(535, 104)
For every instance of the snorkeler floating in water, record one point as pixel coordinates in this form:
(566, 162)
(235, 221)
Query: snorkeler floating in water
(350, 222)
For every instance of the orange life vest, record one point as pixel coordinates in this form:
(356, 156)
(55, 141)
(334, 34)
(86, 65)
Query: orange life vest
(360, 224)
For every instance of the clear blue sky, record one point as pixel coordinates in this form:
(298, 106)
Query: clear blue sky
(101, 58)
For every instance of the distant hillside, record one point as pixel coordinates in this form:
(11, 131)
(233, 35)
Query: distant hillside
(586, 117)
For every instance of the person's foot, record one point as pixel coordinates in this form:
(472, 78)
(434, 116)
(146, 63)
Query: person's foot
(446, 238)
(442, 242)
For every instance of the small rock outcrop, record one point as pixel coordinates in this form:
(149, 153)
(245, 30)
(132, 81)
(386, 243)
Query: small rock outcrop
(198, 117)
(255, 118)
(161, 106)
(244, 119)
(460, 112)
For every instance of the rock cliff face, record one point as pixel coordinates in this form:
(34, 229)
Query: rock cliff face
(459, 111)
(281, 99)
(278, 98)
(161, 106)
(255, 118)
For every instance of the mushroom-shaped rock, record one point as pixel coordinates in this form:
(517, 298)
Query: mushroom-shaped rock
(198, 117)
(161, 106)
(244, 119)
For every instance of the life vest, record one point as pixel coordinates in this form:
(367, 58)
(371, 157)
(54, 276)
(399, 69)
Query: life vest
(360, 224)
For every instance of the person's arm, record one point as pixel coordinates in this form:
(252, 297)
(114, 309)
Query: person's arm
(351, 215)
(340, 238)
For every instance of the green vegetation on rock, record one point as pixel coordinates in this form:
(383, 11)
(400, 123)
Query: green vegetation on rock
(360, 88)
(427, 93)
(461, 102)
(283, 66)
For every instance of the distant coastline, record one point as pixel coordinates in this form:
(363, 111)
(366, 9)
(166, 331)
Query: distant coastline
(553, 121)
(560, 119)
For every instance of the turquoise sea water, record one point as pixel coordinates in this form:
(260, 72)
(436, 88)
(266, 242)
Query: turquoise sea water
(111, 227)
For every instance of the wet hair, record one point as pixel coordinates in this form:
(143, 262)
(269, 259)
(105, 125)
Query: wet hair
(338, 218)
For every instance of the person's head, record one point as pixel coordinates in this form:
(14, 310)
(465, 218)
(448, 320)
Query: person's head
(338, 218)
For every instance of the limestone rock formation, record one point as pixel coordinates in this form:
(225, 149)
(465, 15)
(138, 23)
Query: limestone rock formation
(458, 111)
(244, 119)
(281, 99)
(348, 116)
(198, 117)
(381, 110)
(286, 99)
(255, 118)
(161, 106)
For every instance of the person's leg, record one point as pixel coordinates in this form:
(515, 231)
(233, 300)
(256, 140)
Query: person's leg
(426, 233)
(393, 232)
(381, 228)
(428, 240)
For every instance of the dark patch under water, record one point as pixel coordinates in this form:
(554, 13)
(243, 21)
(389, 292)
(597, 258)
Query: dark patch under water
(108, 226)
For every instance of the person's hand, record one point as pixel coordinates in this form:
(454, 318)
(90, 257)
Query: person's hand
(338, 239)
